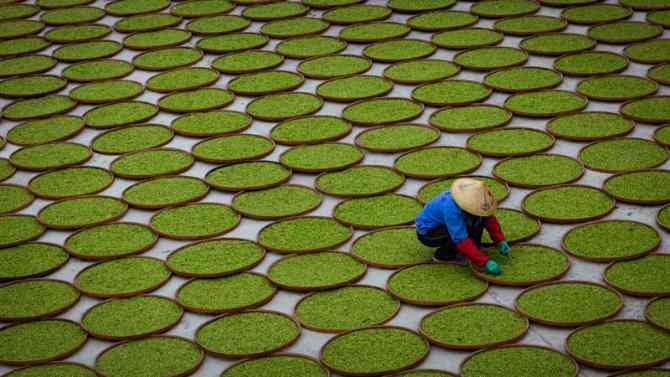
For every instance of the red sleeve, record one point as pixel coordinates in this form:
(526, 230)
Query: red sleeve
(493, 227)
(468, 247)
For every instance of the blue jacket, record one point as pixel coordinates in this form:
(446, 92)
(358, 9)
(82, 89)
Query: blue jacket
(442, 211)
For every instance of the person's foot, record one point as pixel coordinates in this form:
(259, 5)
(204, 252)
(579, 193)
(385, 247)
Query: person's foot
(442, 255)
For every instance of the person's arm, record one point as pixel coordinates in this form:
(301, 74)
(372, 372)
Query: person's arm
(493, 227)
(458, 232)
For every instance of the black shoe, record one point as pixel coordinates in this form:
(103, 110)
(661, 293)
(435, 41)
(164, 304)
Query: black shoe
(442, 255)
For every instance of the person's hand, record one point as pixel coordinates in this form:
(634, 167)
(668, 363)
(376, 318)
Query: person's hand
(492, 267)
(503, 248)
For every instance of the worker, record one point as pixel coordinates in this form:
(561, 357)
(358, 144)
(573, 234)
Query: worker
(454, 221)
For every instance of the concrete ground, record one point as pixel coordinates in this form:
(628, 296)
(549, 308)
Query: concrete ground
(310, 342)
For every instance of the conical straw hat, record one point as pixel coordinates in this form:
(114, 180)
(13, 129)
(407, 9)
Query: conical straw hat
(474, 197)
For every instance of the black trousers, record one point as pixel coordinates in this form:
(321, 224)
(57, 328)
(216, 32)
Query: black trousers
(439, 237)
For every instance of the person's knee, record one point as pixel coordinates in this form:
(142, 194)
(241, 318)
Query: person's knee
(429, 241)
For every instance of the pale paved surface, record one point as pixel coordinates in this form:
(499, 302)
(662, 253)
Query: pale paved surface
(310, 342)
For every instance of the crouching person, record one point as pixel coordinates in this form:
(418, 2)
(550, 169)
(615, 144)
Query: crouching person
(454, 222)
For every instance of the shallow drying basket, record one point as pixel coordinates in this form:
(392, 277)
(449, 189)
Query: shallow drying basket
(572, 220)
(537, 368)
(612, 342)
(636, 253)
(556, 323)
(493, 343)
(416, 362)
(286, 344)
(500, 280)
